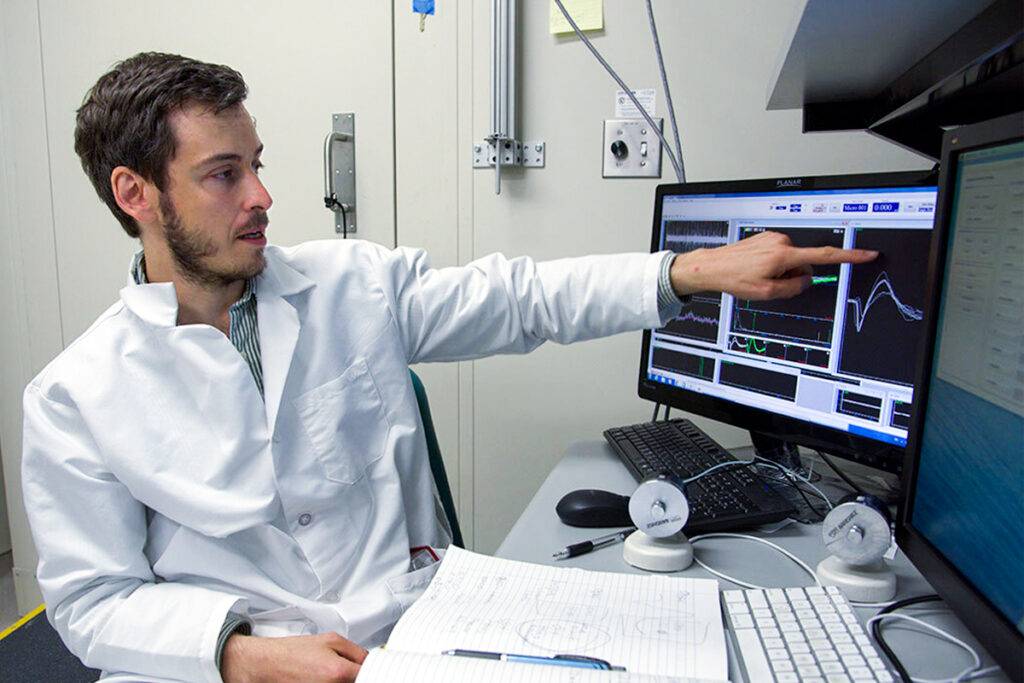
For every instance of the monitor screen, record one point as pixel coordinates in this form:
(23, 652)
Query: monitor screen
(831, 368)
(964, 481)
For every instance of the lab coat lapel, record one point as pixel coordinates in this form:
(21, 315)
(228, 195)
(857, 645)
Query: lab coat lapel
(278, 317)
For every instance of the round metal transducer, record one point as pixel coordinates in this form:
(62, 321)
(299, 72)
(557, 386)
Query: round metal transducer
(857, 531)
(659, 507)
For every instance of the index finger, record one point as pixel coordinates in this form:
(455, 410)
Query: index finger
(830, 255)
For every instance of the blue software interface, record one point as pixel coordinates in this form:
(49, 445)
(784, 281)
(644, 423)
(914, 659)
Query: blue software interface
(841, 354)
(969, 499)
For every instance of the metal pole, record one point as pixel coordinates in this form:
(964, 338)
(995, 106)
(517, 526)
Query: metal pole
(510, 70)
(503, 56)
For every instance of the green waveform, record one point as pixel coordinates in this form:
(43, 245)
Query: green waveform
(824, 279)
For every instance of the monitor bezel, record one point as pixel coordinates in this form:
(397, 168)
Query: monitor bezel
(998, 634)
(861, 449)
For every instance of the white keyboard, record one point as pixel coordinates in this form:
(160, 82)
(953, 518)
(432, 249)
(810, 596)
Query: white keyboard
(801, 634)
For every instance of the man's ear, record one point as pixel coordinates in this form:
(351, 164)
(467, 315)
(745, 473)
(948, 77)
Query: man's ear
(136, 196)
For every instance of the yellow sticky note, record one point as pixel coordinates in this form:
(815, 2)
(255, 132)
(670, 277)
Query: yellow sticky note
(588, 15)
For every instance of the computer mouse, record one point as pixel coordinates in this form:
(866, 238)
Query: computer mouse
(594, 508)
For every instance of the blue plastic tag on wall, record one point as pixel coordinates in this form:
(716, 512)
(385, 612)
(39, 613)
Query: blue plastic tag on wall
(423, 6)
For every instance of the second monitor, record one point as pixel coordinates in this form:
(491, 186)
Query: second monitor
(831, 368)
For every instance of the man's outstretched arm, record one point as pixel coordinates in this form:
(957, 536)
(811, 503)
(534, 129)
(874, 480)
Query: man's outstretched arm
(765, 266)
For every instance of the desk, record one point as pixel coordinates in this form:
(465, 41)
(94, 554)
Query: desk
(538, 533)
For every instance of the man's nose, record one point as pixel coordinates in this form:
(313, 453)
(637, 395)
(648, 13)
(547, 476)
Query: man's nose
(258, 198)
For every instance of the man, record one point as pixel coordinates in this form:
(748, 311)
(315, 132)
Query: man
(232, 451)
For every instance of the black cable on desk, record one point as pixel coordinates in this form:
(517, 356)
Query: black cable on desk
(835, 468)
(876, 631)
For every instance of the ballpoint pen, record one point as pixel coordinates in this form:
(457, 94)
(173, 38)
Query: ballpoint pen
(576, 661)
(586, 546)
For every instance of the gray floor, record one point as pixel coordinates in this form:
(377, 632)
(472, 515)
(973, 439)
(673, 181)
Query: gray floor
(8, 606)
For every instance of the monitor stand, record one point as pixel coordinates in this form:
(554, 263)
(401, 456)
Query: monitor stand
(775, 449)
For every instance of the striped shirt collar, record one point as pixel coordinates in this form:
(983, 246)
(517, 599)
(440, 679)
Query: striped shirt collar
(244, 331)
(139, 276)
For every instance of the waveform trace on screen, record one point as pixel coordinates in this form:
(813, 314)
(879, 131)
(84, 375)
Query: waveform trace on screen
(691, 316)
(881, 288)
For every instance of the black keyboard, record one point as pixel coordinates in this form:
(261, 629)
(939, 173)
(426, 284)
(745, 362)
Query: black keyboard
(728, 499)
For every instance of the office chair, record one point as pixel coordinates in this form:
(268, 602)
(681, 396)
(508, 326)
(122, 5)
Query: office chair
(436, 462)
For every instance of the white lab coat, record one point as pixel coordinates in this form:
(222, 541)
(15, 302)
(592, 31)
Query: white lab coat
(163, 492)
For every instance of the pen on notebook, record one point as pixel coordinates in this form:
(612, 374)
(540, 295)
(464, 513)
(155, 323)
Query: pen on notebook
(576, 661)
(593, 544)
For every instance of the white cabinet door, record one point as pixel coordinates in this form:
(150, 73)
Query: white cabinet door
(303, 61)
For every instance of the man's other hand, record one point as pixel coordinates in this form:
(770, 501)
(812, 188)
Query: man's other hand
(765, 266)
(320, 658)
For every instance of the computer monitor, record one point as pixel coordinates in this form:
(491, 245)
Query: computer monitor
(961, 520)
(831, 368)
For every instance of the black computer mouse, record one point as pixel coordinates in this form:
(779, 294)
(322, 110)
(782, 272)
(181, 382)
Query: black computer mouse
(594, 508)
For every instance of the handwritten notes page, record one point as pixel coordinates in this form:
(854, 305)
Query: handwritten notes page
(389, 666)
(650, 624)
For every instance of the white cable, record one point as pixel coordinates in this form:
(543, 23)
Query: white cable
(787, 471)
(803, 565)
(628, 91)
(979, 673)
(970, 673)
(880, 605)
(822, 495)
(795, 475)
(715, 467)
(965, 675)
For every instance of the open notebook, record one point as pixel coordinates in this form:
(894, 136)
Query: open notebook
(658, 628)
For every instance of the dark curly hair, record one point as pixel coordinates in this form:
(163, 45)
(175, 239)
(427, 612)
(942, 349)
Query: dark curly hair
(123, 120)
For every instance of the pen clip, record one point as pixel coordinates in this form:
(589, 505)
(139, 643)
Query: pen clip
(598, 663)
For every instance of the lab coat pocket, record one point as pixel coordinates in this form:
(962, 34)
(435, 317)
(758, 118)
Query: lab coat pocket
(346, 423)
(407, 588)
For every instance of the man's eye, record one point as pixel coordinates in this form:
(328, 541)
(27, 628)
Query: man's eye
(257, 166)
(226, 174)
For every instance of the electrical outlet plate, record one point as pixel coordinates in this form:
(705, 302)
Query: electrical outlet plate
(631, 149)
